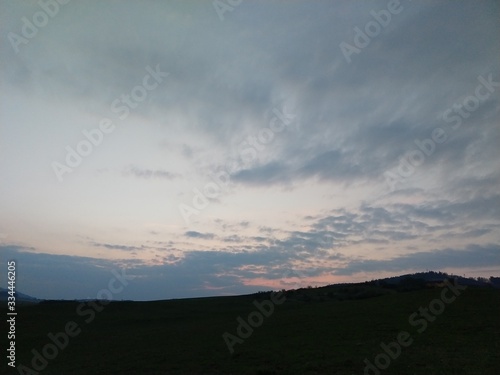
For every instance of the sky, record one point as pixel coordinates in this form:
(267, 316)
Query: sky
(210, 148)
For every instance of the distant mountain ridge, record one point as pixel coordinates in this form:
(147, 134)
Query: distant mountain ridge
(20, 297)
(405, 282)
(439, 277)
(380, 287)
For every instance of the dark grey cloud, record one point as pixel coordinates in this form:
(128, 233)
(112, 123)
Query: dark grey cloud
(395, 222)
(117, 247)
(476, 208)
(59, 276)
(392, 100)
(233, 238)
(263, 175)
(474, 233)
(194, 234)
(471, 256)
(203, 273)
(331, 163)
(197, 274)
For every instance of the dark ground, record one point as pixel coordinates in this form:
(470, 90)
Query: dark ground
(316, 331)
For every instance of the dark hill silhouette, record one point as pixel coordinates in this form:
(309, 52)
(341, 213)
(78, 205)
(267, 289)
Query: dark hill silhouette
(20, 297)
(345, 291)
(379, 287)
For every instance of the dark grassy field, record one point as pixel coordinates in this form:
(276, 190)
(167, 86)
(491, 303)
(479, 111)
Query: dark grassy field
(312, 336)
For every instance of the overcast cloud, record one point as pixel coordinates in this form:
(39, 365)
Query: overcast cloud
(212, 154)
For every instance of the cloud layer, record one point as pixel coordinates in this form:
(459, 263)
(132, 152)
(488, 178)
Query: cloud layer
(248, 146)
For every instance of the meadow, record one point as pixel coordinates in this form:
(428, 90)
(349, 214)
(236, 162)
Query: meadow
(315, 331)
